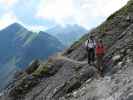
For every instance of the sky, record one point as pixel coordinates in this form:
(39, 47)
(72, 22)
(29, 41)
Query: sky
(43, 14)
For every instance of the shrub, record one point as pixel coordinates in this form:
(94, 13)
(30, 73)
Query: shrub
(42, 70)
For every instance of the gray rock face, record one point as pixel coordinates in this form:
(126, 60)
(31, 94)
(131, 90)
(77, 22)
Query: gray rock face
(118, 79)
(71, 78)
(64, 81)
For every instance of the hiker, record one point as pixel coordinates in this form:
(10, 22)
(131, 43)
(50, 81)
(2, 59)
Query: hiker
(90, 46)
(100, 51)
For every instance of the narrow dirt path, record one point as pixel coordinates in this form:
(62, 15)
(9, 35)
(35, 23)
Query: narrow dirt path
(71, 60)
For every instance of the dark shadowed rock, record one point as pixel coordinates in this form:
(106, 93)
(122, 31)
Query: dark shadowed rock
(32, 67)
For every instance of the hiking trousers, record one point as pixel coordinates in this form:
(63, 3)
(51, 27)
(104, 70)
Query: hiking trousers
(91, 55)
(100, 62)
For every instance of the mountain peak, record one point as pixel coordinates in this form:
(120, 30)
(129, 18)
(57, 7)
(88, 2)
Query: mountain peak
(16, 26)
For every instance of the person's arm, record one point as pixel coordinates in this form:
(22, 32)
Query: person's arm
(95, 44)
(86, 44)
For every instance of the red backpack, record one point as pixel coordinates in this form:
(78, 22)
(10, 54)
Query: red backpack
(100, 49)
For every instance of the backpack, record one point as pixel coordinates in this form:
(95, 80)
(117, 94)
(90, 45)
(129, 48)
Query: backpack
(100, 49)
(90, 43)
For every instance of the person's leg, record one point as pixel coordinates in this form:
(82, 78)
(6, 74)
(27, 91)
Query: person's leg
(101, 63)
(98, 66)
(93, 55)
(98, 62)
(89, 58)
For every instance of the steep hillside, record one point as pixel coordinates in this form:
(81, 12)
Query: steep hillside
(67, 34)
(18, 47)
(67, 76)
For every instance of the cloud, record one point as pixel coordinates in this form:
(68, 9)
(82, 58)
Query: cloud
(7, 19)
(93, 12)
(36, 28)
(102, 7)
(10, 18)
(8, 3)
(57, 10)
(87, 13)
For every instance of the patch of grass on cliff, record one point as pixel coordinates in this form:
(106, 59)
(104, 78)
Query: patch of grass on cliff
(42, 70)
(102, 28)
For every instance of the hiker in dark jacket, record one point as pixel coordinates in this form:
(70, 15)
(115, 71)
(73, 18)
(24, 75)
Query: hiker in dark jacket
(100, 51)
(90, 46)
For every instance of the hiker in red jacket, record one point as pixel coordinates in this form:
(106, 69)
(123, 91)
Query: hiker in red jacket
(100, 51)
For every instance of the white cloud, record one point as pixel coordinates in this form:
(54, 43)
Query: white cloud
(36, 28)
(57, 10)
(7, 16)
(8, 3)
(7, 19)
(10, 18)
(83, 12)
(102, 7)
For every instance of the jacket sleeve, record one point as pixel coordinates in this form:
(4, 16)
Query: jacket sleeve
(86, 42)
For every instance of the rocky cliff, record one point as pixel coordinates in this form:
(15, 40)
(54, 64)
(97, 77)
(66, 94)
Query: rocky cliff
(67, 76)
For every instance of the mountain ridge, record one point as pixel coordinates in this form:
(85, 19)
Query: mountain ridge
(19, 46)
(67, 34)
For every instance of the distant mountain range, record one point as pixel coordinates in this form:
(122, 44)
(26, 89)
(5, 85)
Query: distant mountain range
(67, 34)
(18, 47)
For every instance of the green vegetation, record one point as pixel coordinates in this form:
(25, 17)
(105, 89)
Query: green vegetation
(28, 81)
(102, 28)
(42, 70)
(32, 67)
